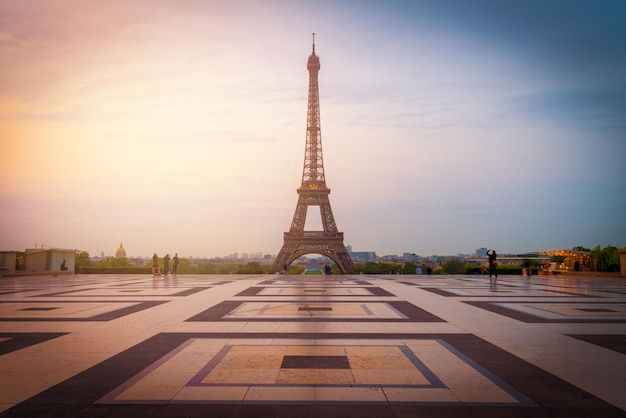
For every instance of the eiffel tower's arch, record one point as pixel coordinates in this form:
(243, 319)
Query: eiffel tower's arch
(310, 242)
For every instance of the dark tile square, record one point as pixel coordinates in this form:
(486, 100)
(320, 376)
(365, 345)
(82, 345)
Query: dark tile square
(595, 310)
(313, 308)
(39, 309)
(315, 362)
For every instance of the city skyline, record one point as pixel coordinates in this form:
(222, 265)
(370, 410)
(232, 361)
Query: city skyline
(263, 254)
(182, 125)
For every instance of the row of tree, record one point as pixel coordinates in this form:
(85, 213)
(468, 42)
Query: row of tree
(607, 260)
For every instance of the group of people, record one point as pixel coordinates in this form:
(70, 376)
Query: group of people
(156, 269)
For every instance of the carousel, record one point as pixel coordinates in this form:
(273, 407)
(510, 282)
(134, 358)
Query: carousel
(569, 260)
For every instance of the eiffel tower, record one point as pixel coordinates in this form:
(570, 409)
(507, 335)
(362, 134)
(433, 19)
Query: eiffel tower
(313, 192)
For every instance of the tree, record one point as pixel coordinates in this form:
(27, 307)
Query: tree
(205, 268)
(409, 268)
(253, 267)
(82, 259)
(184, 266)
(112, 262)
(119, 262)
(371, 268)
(454, 267)
(608, 258)
(295, 269)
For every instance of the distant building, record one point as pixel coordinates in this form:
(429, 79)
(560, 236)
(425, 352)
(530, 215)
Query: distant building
(8, 262)
(410, 257)
(481, 252)
(50, 259)
(121, 252)
(363, 256)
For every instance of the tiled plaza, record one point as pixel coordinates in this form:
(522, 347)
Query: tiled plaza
(312, 346)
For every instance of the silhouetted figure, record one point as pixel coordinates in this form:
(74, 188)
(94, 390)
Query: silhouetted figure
(493, 264)
(156, 270)
(63, 266)
(175, 264)
(166, 264)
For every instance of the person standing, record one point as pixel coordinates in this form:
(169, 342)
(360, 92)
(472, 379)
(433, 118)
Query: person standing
(492, 263)
(156, 271)
(175, 264)
(166, 264)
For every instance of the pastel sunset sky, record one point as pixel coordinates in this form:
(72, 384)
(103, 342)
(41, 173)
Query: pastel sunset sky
(179, 126)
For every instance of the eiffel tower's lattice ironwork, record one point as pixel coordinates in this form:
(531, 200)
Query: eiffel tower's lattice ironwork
(313, 192)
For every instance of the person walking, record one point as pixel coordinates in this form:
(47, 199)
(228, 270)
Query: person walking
(156, 270)
(493, 264)
(166, 264)
(175, 264)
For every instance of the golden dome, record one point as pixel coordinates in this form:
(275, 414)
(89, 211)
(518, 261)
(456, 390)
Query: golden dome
(121, 252)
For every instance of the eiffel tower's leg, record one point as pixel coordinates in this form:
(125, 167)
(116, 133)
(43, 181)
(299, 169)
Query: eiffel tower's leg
(299, 216)
(284, 256)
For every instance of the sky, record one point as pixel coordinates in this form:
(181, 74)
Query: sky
(180, 126)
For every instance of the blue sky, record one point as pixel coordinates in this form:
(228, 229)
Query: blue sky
(180, 127)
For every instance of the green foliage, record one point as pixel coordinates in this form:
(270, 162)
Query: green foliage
(204, 268)
(294, 270)
(228, 269)
(409, 268)
(112, 262)
(110, 265)
(184, 266)
(379, 268)
(608, 258)
(253, 267)
(82, 259)
(454, 267)
(371, 268)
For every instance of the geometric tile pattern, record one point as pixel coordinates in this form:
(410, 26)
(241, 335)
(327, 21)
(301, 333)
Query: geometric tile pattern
(16, 341)
(558, 312)
(305, 311)
(419, 372)
(28, 311)
(331, 346)
(315, 291)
